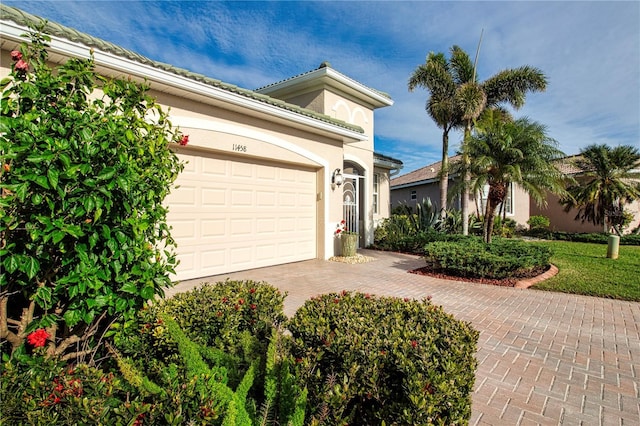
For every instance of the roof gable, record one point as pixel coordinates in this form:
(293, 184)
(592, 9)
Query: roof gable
(325, 76)
(423, 175)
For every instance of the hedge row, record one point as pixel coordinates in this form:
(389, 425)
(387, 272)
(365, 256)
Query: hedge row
(597, 238)
(221, 355)
(502, 258)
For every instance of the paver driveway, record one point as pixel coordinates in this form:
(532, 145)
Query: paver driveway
(543, 357)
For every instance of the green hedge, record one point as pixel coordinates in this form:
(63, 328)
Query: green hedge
(368, 360)
(594, 237)
(219, 355)
(473, 258)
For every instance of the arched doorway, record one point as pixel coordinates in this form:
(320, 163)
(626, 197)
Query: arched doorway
(353, 200)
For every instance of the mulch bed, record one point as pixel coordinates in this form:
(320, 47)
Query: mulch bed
(506, 282)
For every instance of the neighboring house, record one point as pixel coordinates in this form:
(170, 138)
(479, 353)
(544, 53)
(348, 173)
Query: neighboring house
(267, 171)
(423, 183)
(413, 187)
(565, 221)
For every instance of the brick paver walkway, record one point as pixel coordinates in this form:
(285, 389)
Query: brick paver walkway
(543, 358)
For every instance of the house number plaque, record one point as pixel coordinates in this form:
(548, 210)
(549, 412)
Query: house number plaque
(239, 148)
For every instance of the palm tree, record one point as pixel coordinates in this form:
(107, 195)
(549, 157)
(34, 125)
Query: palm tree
(437, 77)
(505, 152)
(457, 100)
(613, 179)
(509, 86)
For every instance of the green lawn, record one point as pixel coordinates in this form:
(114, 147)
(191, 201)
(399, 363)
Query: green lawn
(585, 269)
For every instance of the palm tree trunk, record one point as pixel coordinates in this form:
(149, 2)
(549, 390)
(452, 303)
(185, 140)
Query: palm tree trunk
(465, 188)
(489, 220)
(444, 175)
(496, 196)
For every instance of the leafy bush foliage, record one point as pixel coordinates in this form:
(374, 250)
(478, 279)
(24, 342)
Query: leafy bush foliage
(369, 360)
(538, 222)
(85, 169)
(396, 234)
(39, 390)
(225, 341)
(499, 259)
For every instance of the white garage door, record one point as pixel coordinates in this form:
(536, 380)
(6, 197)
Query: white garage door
(230, 215)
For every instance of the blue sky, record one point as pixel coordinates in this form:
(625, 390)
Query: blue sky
(589, 51)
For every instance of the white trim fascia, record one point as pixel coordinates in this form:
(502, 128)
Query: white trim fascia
(70, 48)
(329, 72)
(361, 87)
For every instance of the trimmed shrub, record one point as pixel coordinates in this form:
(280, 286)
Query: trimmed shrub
(500, 259)
(538, 222)
(368, 360)
(224, 343)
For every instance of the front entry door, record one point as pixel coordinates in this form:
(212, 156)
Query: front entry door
(350, 204)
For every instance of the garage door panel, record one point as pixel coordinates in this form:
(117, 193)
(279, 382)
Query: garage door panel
(232, 215)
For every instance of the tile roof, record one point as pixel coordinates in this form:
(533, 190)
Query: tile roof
(423, 174)
(568, 165)
(54, 29)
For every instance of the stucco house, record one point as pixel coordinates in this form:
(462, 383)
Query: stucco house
(413, 187)
(565, 221)
(269, 172)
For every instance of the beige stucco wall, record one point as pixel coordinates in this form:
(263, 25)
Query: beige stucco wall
(521, 206)
(233, 132)
(349, 110)
(565, 221)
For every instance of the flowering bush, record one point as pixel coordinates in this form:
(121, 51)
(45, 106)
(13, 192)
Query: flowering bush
(370, 360)
(38, 390)
(85, 169)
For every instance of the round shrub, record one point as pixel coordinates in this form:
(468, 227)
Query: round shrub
(367, 360)
(538, 222)
(502, 258)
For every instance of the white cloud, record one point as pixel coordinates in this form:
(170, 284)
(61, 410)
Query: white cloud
(590, 52)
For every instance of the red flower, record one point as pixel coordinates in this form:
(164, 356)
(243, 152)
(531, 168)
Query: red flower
(253, 306)
(21, 65)
(240, 301)
(38, 338)
(185, 140)
(16, 55)
(414, 343)
(253, 290)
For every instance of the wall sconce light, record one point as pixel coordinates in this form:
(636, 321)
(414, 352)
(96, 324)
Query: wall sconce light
(336, 179)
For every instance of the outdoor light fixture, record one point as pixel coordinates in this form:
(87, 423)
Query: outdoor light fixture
(336, 179)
